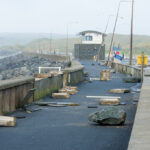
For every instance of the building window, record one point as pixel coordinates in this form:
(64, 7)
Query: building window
(87, 38)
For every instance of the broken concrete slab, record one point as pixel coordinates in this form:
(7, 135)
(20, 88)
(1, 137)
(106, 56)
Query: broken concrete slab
(108, 116)
(119, 91)
(106, 101)
(60, 95)
(7, 121)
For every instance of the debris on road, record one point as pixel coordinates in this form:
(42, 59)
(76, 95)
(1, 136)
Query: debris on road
(69, 90)
(108, 101)
(119, 91)
(108, 116)
(132, 80)
(93, 106)
(61, 95)
(94, 79)
(56, 103)
(105, 75)
(7, 121)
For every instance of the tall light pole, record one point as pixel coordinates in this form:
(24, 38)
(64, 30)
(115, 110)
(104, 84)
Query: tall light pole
(131, 37)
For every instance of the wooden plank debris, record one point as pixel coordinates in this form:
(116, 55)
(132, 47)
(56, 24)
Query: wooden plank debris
(113, 101)
(7, 121)
(119, 91)
(60, 95)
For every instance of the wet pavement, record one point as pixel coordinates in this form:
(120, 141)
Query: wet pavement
(68, 128)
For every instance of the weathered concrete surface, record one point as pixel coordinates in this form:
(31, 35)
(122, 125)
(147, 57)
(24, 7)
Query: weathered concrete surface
(140, 137)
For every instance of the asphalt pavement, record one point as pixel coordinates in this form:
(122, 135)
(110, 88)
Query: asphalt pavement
(68, 128)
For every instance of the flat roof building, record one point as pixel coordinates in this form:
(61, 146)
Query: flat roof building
(91, 45)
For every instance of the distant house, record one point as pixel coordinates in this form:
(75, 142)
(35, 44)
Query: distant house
(90, 46)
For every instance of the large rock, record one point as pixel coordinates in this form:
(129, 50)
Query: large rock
(109, 116)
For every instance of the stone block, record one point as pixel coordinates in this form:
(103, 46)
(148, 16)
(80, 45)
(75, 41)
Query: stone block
(7, 121)
(119, 91)
(61, 95)
(108, 101)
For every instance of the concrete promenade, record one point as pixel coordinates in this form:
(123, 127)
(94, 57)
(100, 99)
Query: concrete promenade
(140, 137)
(68, 128)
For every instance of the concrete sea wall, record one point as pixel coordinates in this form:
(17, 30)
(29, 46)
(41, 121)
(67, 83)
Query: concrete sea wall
(123, 68)
(13, 92)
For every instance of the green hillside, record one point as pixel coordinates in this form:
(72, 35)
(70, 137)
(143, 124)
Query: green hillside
(141, 43)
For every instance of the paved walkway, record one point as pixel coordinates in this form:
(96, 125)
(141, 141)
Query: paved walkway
(68, 128)
(140, 138)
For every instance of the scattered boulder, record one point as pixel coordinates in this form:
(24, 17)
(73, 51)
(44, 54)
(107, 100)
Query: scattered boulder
(108, 116)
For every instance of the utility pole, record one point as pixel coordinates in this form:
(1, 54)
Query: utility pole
(131, 37)
(112, 39)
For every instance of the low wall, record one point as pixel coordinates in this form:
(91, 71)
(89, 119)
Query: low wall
(123, 68)
(12, 93)
(74, 74)
(140, 136)
(69, 76)
(45, 87)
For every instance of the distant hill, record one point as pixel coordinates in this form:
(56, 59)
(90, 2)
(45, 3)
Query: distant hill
(34, 42)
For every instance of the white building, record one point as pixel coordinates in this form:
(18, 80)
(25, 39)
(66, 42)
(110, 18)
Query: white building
(92, 37)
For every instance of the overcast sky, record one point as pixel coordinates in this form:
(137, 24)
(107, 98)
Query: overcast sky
(54, 16)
